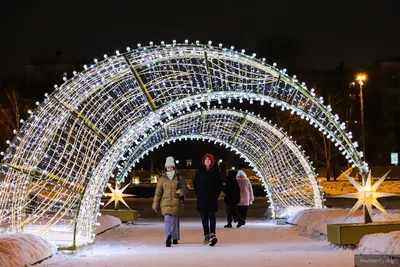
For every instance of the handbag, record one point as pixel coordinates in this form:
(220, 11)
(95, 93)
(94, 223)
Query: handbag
(181, 198)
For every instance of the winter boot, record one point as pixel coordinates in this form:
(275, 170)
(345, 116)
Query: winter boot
(168, 241)
(206, 239)
(240, 223)
(213, 240)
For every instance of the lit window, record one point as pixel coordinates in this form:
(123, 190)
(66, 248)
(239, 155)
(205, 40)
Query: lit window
(154, 178)
(136, 180)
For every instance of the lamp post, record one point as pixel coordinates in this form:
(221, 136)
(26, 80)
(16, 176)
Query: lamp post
(361, 78)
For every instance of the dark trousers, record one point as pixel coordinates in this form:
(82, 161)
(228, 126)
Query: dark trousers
(232, 213)
(209, 222)
(243, 211)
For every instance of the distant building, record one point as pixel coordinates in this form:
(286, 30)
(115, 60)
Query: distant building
(338, 87)
(383, 94)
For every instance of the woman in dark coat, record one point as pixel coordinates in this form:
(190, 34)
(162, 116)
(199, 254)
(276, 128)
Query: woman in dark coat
(208, 186)
(232, 198)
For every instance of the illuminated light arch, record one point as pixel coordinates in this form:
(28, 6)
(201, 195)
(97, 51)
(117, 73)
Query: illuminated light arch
(56, 168)
(287, 176)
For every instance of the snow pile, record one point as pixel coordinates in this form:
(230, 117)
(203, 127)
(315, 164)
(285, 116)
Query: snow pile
(394, 216)
(314, 221)
(106, 222)
(380, 244)
(24, 249)
(292, 213)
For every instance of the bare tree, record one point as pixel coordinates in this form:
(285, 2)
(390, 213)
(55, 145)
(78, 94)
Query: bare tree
(292, 124)
(324, 152)
(314, 141)
(10, 114)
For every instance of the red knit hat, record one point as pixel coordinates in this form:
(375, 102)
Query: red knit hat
(211, 157)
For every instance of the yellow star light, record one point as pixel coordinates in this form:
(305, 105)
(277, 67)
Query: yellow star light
(117, 195)
(367, 196)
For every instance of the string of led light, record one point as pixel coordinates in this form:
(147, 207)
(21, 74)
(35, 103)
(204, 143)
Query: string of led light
(74, 140)
(291, 163)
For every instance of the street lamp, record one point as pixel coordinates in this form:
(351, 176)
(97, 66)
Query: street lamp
(361, 77)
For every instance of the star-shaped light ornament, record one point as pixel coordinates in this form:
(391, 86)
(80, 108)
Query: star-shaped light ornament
(117, 195)
(367, 196)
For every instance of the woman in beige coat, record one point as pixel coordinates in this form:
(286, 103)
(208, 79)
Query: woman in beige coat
(170, 192)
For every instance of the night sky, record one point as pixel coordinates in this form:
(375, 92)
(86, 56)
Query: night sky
(308, 34)
(298, 35)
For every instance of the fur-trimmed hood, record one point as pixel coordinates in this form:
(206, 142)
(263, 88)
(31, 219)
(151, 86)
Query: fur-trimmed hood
(246, 190)
(241, 175)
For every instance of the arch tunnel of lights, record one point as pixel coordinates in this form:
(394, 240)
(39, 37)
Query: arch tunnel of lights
(55, 170)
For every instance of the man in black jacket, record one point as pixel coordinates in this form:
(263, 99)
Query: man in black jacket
(208, 186)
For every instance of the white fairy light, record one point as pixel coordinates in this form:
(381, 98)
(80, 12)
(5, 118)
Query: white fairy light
(75, 138)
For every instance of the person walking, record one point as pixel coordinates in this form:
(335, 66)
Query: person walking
(207, 185)
(169, 195)
(232, 198)
(246, 194)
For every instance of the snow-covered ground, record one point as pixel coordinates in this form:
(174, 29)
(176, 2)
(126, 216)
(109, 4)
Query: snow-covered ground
(314, 222)
(24, 249)
(388, 243)
(332, 188)
(107, 222)
(258, 243)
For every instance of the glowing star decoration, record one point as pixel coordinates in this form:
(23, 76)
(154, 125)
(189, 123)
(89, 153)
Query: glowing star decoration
(367, 196)
(117, 195)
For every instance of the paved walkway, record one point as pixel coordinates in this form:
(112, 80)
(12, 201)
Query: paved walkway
(258, 243)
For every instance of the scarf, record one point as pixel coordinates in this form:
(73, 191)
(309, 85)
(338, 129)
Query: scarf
(170, 174)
